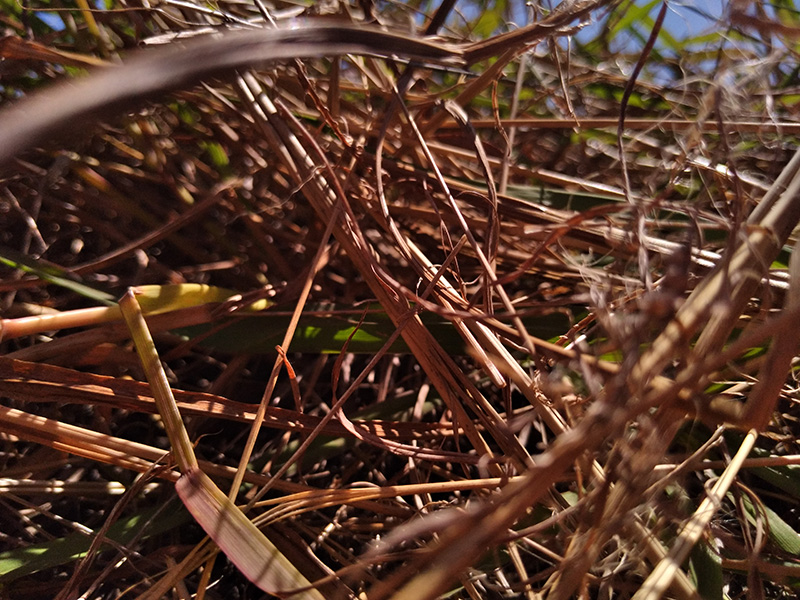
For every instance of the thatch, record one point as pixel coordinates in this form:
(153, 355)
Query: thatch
(542, 279)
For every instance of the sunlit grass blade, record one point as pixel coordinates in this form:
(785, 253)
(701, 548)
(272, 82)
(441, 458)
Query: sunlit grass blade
(153, 299)
(244, 544)
(182, 450)
(247, 547)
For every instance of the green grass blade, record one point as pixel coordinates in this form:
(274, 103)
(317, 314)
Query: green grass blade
(780, 531)
(253, 554)
(327, 333)
(37, 557)
(52, 274)
(706, 569)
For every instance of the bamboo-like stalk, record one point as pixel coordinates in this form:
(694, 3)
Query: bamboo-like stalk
(182, 449)
(659, 580)
(247, 547)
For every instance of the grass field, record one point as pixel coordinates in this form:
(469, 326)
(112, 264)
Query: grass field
(399, 300)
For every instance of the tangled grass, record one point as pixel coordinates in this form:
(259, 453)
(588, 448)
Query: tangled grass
(531, 325)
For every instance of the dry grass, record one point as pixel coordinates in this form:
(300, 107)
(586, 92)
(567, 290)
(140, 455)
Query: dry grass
(530, 289)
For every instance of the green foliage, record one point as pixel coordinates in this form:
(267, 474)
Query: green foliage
(37, 557)
(706, 569)
(780, 532)
(52, 274)
(327, 333)
(491, 19)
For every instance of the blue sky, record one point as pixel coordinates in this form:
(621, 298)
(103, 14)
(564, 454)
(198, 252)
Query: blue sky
(684, 19)
(681, 19)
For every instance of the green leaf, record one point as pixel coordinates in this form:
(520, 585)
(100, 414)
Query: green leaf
(219, 158)
(780, 531)
(491, 19)
(785, 477)
(705, 566)
(51, 274)
(634, 15)
(325, 332)
(30, 559)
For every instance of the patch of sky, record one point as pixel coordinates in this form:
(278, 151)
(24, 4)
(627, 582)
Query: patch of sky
(39, 10)
(52, 18)
(688, 27)
(683, 22)
(688, 24)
